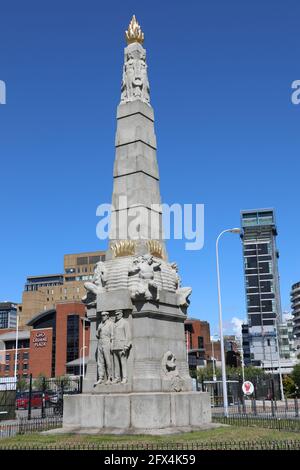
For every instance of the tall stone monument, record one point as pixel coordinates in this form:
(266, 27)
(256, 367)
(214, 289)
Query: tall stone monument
(137, 376)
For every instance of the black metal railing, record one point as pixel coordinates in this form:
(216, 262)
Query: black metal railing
(44, 398)
(24, 426)
(288, 409)
(280, 424)
(193, 446)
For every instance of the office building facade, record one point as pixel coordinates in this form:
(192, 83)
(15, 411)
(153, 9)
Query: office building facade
(43, 292)
(55, 346)
(295, 300)
(263, 303)
(8, 315)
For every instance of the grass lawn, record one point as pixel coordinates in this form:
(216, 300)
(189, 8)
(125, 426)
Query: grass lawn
(222, 434)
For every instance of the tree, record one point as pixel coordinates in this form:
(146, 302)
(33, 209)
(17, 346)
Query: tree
(232, 373)
(22, 384)
(39, 382)
(64, 381)
(289, 386)
(296, 378)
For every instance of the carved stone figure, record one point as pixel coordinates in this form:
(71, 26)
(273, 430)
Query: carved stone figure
(104, 354)
(183, 293)
(121, 344)
(97, 285)
(135, 84)
(170, 371)
(146, 287)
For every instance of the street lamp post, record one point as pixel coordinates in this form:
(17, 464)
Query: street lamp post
(225, 398)
(242, 361)
(82, 353)
(84, 321)
(279, 364)
(213, 359)
(272, 370)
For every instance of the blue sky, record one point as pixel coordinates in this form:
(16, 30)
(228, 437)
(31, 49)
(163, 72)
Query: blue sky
(228, 135)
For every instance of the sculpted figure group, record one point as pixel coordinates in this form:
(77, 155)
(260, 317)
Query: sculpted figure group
(96, 285)
(114, 343)
(183, 293)
(145, 287)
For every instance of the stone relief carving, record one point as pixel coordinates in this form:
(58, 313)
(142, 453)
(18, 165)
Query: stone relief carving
(104, 353)
(135, 84)
(183, 293)
(97, 285)
(170, 371)
(146, 287)
(121, 344)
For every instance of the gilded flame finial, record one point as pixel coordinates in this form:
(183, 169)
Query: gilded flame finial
(134, 32)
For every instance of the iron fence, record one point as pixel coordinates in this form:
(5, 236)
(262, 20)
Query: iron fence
(191, 446)
(288, 409)
(280, 424)
(267, 387)
(24, 426)
(43, 397)
(7, 403)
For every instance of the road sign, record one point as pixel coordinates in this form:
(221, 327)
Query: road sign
(248, 388)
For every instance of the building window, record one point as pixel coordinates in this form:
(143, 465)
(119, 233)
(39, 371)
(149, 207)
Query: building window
(251, 263)
(7, 367)
(263, 248)
(200, 342)
(264, 267)
(94, 259)
(267, 305)
(253, 300)
(70, 270)
(252, 281)
(72, 337)
(255, 320)
(82, 260)
(266, 286)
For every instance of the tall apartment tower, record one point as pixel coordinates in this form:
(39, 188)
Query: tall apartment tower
(262, 287)
(295, 299)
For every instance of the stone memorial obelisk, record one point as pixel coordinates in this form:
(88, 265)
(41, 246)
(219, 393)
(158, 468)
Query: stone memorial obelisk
(137, 376)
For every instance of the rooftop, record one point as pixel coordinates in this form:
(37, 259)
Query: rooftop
(11, 335)
(6, 305)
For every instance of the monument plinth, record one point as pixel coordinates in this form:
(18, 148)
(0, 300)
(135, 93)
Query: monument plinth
(137, 375)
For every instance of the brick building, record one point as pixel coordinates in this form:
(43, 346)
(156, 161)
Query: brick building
(199, 346)
(8, 350)
(55, 341)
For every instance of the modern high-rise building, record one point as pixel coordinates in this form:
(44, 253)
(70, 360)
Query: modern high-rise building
(262, 286)
(43, 292)
(286, 340)
(8, 315)
(295, 299)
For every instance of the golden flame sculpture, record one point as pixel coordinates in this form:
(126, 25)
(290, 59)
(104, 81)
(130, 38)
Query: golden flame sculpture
(123, 248)
(155, 248)
(134, 32)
